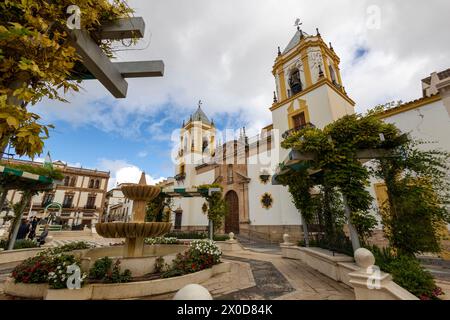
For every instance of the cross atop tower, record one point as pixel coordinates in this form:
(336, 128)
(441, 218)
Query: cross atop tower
(200, 103)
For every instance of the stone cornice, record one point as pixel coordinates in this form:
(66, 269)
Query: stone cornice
(318, 84)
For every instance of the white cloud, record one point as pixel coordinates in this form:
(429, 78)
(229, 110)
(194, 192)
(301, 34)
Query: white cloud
(223, 52)
(123, 172)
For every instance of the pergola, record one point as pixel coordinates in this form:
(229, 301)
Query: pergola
(297, 161)
(183, 192)
(97, 65)
(29, 183)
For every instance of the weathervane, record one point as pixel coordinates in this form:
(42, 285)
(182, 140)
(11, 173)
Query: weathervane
(298, 23)
(200, 103)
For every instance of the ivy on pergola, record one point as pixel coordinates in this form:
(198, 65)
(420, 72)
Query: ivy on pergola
(14, 177)
(334, 157)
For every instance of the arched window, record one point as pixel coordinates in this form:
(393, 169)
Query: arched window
(230, 174)
(295, 83)
(66, 181)
(332, 75)
(91, 184)
(205, 144)
(97, 184)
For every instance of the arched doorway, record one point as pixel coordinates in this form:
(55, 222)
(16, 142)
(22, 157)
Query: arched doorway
(232, 218)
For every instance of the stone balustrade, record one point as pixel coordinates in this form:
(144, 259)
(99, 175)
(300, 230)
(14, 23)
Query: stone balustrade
(360, 272)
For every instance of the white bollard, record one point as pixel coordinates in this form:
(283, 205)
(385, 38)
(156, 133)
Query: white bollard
(193, 292)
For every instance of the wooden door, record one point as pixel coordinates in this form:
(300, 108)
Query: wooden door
(232, 218)
(178, 217)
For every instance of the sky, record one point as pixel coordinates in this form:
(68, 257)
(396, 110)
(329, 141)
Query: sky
(222, 52)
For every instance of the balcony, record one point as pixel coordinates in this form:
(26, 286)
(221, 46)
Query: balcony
(44, 204)
(180, 177)
(288, 133)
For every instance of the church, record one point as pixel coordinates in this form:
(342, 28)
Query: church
(309, 92)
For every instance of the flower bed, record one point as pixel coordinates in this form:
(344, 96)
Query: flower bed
(202, 254)
(106, 280)
(162, 240)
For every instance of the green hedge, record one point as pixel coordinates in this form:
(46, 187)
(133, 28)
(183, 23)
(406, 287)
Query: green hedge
(407, 272)
(196, 236)
(20, 244)
(42, 171)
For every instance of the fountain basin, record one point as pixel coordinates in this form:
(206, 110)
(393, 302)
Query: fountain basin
(140, 192)
(132, 229)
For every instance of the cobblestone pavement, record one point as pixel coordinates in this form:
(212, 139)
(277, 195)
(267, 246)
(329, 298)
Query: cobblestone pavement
(291, 280)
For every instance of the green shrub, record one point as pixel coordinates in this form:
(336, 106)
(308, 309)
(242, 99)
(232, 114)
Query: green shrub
(51, 269)
(187, 235)
(407, 272)
(202, 254)
(161, 240)
(20, 244)
(196, 236)
(80, 245)
(221, 237)
(25, 244)
(57, 278)
(33, 270)
(104, 270)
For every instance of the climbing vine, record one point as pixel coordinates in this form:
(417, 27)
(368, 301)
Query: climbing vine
(159, 209)
(332, 162)
(418, 192)
(216, 206)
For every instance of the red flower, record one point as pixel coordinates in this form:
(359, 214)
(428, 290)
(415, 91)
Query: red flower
(424, 297)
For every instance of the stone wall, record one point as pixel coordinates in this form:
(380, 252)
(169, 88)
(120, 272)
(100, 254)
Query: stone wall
(275, 233)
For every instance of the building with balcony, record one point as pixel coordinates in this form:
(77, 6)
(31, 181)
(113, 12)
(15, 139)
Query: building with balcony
(78, 200)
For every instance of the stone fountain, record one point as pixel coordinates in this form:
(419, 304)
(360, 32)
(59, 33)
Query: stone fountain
(137, 230)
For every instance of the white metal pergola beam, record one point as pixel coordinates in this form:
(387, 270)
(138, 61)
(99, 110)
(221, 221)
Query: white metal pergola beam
(119, 29)
(112, 75)
(98, 63)
(140, 69)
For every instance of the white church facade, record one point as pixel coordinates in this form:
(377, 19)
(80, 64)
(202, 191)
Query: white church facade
(309, 92)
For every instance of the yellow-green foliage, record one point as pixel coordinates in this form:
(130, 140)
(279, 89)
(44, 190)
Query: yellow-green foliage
(36, 60)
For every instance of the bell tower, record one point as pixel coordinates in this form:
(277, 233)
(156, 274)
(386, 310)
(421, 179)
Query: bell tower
(197, 142)
(309, 87)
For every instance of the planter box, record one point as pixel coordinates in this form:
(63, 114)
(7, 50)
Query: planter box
(84, 293)
(154, 287)
(25, 290)
(113, 291)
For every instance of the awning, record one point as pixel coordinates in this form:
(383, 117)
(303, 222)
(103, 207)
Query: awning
(294, 162)
(26, 175)
(183, 192)
(297, 161)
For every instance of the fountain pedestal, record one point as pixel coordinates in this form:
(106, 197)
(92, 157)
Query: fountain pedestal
(134, 247)
(137, 230)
